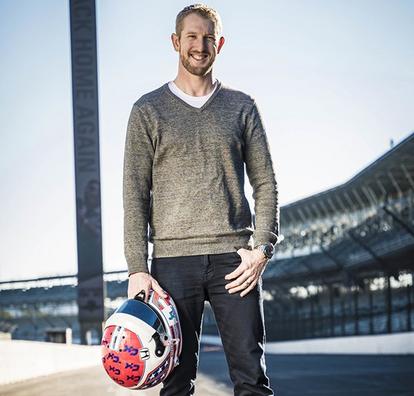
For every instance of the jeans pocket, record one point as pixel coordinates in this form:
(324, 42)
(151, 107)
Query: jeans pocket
(234, 259)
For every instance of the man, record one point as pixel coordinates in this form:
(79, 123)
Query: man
(186, 148)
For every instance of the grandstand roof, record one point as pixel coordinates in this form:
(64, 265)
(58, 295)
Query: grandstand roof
(390, 175)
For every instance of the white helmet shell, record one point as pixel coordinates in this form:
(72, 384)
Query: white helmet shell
(142, 342)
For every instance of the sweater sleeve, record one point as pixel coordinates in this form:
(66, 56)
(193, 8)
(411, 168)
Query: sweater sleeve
(137, 183)
(260, 171)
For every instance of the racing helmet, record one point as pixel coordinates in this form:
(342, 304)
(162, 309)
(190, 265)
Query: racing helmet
(142, 341)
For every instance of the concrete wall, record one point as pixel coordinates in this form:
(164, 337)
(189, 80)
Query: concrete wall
(399, 343)
(20, 360)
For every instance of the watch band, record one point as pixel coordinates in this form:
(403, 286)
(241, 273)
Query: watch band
(267, 249)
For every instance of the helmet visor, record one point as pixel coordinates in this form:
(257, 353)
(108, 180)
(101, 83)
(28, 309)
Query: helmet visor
(143, 312)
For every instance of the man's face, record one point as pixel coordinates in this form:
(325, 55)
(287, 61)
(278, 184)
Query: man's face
(198, 45)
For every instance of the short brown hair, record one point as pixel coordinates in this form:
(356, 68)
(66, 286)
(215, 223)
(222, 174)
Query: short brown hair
(202, 10)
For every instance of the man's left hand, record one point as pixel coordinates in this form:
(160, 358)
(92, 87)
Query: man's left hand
(248, 273)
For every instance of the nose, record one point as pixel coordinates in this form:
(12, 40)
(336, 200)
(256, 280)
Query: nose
(201, 45)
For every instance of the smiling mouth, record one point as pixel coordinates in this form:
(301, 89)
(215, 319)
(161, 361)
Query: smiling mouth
(199, 58)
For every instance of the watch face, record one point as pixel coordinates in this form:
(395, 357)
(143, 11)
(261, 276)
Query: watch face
(268, 250)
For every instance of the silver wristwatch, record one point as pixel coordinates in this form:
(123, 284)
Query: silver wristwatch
(267, 249)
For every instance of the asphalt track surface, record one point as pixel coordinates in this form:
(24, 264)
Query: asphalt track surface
(290, 375)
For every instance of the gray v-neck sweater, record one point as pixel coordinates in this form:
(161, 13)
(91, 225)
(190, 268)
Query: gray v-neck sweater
(183, 181)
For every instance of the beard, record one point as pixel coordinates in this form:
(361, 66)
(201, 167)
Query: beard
(196, 70)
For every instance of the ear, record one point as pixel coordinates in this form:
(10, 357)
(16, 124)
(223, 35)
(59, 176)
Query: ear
(175, 41)
(221, 42)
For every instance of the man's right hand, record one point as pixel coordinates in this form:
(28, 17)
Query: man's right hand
(139, 281)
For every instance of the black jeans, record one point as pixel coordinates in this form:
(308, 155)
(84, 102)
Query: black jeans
(191, 280)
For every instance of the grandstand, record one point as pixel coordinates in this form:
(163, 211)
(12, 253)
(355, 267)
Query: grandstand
(346, 261)
(344, 265)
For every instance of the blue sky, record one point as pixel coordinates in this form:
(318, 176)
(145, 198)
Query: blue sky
(334, 81)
